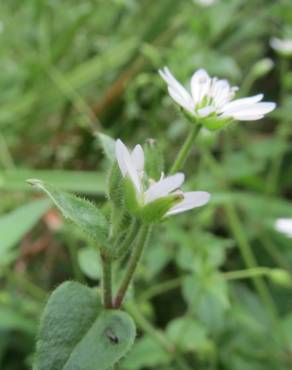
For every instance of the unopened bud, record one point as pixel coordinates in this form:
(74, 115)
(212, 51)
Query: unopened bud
(281, 277)
(262, 67)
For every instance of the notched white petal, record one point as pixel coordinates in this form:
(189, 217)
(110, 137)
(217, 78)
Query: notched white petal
(200, 85)
(243, 102)
(127, 165)
(186, 104)
(121, 154)
(137, 156)
(163, 187)
(191, 200)
(247, 117)
(176, 89)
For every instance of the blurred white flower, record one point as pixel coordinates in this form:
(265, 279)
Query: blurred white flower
(282, 46)
(205, 2)
(284, 226)
(131, 165)
(212, 98)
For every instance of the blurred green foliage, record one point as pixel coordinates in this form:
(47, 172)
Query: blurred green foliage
(70, 69)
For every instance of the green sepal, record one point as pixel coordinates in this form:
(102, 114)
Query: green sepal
(189, 117)
(130, 195)
(213, 123)
(76, 333)
(78, 210)
(115, 185)
(154, 163)
(155, 211)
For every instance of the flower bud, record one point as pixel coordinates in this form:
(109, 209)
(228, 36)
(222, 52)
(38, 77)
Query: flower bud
(154, 159)
(262, 67)
(281, 277)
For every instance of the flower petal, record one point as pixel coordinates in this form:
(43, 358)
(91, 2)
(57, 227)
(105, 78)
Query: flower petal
(284, 225)
(247, 117)
(121, 151)
(126, 164)
(247, 113)
(163, 187)
(137, 156)
(204, 112)
(283, 46)
(176, 89)
(238, 103)
(200, 85)
(221, 92)
(189, 106)
(191, 200)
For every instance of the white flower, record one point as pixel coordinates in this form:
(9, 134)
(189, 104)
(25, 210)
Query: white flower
(284, 226)
(131, 165)
(282, 46)
(211, 97)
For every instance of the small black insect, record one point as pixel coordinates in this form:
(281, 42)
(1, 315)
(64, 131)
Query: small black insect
(111, 336)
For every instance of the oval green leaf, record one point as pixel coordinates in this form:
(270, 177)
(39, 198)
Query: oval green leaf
(76, 333)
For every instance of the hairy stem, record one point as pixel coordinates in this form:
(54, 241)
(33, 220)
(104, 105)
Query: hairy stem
(134, 260)
(122, 248)
(106, 281)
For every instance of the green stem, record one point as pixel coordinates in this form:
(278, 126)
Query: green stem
(239, 236)
(135, 257)
(248, 256)
(117, 215)
(275, 254)
(106, 281)
(185, 149)
(122, 248)
(246, 274)
(161, 288)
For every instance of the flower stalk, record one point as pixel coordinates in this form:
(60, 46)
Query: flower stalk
(185, 150)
